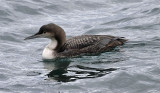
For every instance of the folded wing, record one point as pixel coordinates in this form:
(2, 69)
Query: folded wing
(90, 44)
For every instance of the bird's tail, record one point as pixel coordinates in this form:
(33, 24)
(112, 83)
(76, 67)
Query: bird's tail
(122, 40)
(117, 42)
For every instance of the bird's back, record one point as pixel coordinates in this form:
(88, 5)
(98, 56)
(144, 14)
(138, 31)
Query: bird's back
(87, 44)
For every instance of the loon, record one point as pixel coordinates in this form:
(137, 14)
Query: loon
(59, 47)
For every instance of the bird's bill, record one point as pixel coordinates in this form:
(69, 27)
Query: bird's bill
(33, 36)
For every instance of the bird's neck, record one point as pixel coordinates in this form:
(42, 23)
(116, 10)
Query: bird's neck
(49, 52)
(61, 40)
(53, 44)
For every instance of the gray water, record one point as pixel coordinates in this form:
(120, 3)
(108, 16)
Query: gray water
(132, 68)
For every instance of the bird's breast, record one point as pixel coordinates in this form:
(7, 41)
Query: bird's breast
(48, 53)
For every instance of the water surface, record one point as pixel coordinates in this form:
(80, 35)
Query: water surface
(132, 68)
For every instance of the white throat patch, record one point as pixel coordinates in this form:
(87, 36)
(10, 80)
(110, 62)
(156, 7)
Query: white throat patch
(48, 52)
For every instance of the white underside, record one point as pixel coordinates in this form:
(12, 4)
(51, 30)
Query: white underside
(48, 52)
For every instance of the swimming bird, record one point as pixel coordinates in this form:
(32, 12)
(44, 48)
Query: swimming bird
(59, 47)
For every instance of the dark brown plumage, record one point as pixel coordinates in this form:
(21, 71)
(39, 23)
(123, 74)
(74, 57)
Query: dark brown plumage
(90, 44)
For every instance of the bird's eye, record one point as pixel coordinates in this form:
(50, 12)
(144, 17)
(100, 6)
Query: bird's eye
(44, 32)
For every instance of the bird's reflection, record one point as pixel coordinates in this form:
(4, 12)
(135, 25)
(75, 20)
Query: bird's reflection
(56, 64)
(62, 72)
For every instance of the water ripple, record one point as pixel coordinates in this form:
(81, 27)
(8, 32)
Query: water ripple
(132, 68)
